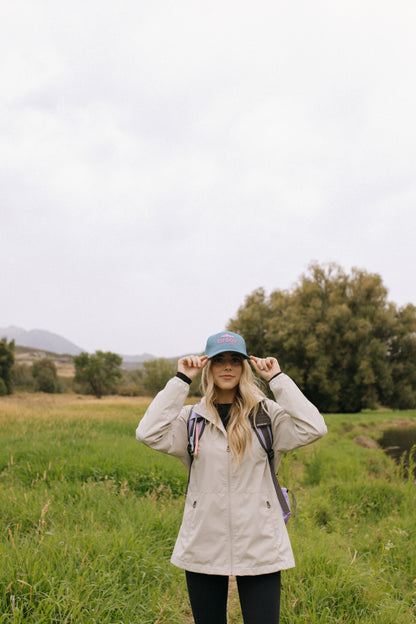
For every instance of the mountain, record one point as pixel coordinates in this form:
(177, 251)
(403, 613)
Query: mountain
(40, 339)
(47, 341)
(137, 359)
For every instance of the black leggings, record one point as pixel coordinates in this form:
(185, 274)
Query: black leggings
(259, 598)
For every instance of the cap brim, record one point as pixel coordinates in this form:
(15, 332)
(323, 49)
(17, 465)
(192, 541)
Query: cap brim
(227, 350)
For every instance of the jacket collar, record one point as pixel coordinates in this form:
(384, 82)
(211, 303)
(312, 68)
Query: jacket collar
(202, 410)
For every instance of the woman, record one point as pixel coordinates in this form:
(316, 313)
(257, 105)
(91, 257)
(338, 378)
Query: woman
(232, 523)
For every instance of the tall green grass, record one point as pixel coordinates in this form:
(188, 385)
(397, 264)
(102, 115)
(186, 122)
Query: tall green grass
(89, 518)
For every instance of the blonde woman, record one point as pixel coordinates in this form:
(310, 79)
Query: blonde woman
(232, 522)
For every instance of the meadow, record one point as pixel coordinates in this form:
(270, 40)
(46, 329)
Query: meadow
(89, 518)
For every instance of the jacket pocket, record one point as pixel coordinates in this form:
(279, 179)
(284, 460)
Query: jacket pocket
(256, 529)
(274, 513)
(191, 506)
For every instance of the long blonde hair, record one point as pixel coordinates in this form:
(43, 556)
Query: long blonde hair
(247, 398)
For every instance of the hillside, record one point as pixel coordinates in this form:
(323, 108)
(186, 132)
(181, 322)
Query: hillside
(28, 356)
(37, 343)
(40, 339)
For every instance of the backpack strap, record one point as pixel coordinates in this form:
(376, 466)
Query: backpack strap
(196, 426)
(262, 426)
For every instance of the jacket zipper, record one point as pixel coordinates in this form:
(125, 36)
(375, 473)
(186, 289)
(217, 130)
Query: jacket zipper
(230, 524)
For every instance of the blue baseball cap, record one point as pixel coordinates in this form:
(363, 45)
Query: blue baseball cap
(225, 341)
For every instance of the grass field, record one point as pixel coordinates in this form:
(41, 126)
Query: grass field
(89, 518)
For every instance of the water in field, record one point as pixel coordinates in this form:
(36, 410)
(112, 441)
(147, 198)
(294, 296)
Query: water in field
(397, 441)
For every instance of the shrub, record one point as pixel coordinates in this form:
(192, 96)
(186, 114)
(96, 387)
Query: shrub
(45, 376)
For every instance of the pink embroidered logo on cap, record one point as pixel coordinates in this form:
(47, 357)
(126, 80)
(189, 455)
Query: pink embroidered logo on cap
(227, 338)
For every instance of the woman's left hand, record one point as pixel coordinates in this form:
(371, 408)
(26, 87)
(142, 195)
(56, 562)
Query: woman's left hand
(265, 367)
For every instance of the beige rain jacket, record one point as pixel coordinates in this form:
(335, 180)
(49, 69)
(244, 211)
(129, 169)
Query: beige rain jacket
(232, 523)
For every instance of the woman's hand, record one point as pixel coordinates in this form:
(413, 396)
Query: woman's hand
(265, 367)
(191, 365)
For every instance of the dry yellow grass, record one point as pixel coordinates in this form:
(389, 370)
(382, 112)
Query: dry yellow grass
(25, 407)
(42, 406)
(20, 398)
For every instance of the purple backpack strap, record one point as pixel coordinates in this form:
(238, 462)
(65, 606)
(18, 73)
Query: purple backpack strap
(262, 426)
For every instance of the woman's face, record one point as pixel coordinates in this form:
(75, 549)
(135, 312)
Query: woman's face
(226, 369)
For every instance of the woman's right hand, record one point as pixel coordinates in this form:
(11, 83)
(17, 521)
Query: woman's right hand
(191, 365)
(266, 367)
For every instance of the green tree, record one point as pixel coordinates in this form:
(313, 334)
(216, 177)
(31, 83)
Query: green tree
(157, 373)
(338, 337)
(6, 366)
(253, 322)
(402, 357)
(99, 372)
(23, 378)
(45, 376)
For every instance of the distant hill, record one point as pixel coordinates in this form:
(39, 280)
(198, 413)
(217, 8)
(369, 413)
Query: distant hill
(43, 340)
(131, 362)
(137, 359)
(40, 339)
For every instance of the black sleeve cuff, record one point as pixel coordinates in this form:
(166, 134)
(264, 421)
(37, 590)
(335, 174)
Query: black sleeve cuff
(274, 376)
(183, 377)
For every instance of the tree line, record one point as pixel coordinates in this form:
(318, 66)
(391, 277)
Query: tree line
(99, 373)
(42, 376)
(335, 334)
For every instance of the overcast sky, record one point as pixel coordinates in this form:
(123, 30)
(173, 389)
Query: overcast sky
(161, 160)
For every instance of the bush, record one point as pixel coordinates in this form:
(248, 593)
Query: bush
(130, 389)
(23, 378)
(157, 373)
(45, 376)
